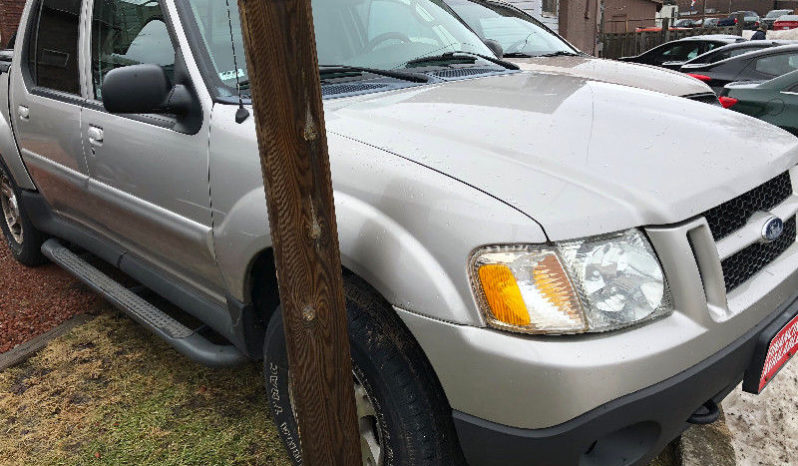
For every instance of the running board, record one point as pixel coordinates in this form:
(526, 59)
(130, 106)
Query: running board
(183, 339)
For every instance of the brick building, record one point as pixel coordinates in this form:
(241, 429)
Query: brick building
(626, 15)
(10, 11)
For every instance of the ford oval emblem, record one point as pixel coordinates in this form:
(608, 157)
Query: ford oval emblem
(772, 229)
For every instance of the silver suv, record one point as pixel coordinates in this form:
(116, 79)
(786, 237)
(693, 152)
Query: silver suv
(539, 268)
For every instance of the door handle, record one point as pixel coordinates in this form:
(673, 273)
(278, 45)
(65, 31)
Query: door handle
(96, 135)
(23, 112)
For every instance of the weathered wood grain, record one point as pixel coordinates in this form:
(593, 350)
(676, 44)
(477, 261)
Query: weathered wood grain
(286, 94)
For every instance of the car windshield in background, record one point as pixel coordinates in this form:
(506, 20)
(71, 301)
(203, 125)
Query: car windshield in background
(518, 33)
(378, 34)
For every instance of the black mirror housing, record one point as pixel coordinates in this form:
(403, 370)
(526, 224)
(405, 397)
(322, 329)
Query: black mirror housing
(494, 47)
(143, 89)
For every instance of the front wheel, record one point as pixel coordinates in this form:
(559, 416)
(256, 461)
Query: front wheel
(22, 237)
(403, 416)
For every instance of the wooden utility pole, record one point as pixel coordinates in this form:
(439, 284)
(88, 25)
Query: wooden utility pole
(286, 95)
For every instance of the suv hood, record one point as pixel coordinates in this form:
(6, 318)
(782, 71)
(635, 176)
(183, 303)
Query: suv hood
(611, 71)
(580, 157)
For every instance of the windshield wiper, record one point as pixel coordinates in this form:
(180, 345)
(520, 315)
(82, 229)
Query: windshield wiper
(517, 55)
(412, 77)
(560, 53)
(450, 55)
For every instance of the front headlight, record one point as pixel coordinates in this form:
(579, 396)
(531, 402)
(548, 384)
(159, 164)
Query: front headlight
(591, 285)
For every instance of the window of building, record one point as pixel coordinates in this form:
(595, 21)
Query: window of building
(549, 7)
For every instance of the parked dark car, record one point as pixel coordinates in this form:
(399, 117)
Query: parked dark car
(755, 66)
(682, 50)
(774, 101)
(687, 23)
(727, 51)
(751, 19)
(773, 15)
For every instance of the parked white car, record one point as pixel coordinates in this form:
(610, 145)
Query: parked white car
(532, 46)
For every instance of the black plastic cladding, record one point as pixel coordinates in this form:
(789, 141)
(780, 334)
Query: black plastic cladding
(462, 72)
(350, 88)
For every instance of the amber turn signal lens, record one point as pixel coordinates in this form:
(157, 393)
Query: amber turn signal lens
(503, 295)
(528, 291)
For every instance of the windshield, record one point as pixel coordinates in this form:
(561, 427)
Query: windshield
(381, 34)
(517, 32)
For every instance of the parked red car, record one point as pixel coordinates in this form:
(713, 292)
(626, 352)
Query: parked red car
(786, 22)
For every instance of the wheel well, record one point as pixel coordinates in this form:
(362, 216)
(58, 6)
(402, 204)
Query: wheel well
(262, 286)
(262, 289)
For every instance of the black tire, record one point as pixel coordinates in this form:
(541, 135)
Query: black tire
(412, 413)
(28, 250)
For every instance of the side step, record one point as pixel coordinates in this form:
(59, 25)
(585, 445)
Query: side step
(183, 339)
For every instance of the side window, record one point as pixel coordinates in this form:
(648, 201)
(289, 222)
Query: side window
(681, 52)
(125, 33)
(777, 65)
(53, 52)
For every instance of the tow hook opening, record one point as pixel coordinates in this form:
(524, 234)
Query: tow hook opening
(630, 443)
(705, 414)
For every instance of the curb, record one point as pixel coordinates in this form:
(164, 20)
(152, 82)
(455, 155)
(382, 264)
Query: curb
(24, 351)
(708, 445)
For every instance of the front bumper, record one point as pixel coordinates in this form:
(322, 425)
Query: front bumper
(628, 430)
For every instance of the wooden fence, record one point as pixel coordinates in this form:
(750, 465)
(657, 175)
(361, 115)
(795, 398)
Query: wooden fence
(625, 44)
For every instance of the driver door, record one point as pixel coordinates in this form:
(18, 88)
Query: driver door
(148, 179)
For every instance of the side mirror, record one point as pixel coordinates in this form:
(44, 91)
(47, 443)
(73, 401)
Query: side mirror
(494, 47)
(6, 56)
(144, 89)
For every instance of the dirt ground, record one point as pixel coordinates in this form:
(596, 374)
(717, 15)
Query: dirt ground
(765, 427)
(33, 301)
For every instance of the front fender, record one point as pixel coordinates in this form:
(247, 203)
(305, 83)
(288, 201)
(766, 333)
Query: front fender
(407, 230)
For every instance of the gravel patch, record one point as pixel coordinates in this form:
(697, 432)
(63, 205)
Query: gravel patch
(34, 301)
(765, 427)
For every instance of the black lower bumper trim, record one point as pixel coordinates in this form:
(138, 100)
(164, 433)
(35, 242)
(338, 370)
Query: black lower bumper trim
(629, 430)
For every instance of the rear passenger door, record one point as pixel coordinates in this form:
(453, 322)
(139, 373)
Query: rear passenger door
(46, 96)
(148, 173)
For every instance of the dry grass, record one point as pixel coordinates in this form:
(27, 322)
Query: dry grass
(110, 393)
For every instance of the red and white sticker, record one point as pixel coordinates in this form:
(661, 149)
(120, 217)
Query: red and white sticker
(782, 347)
